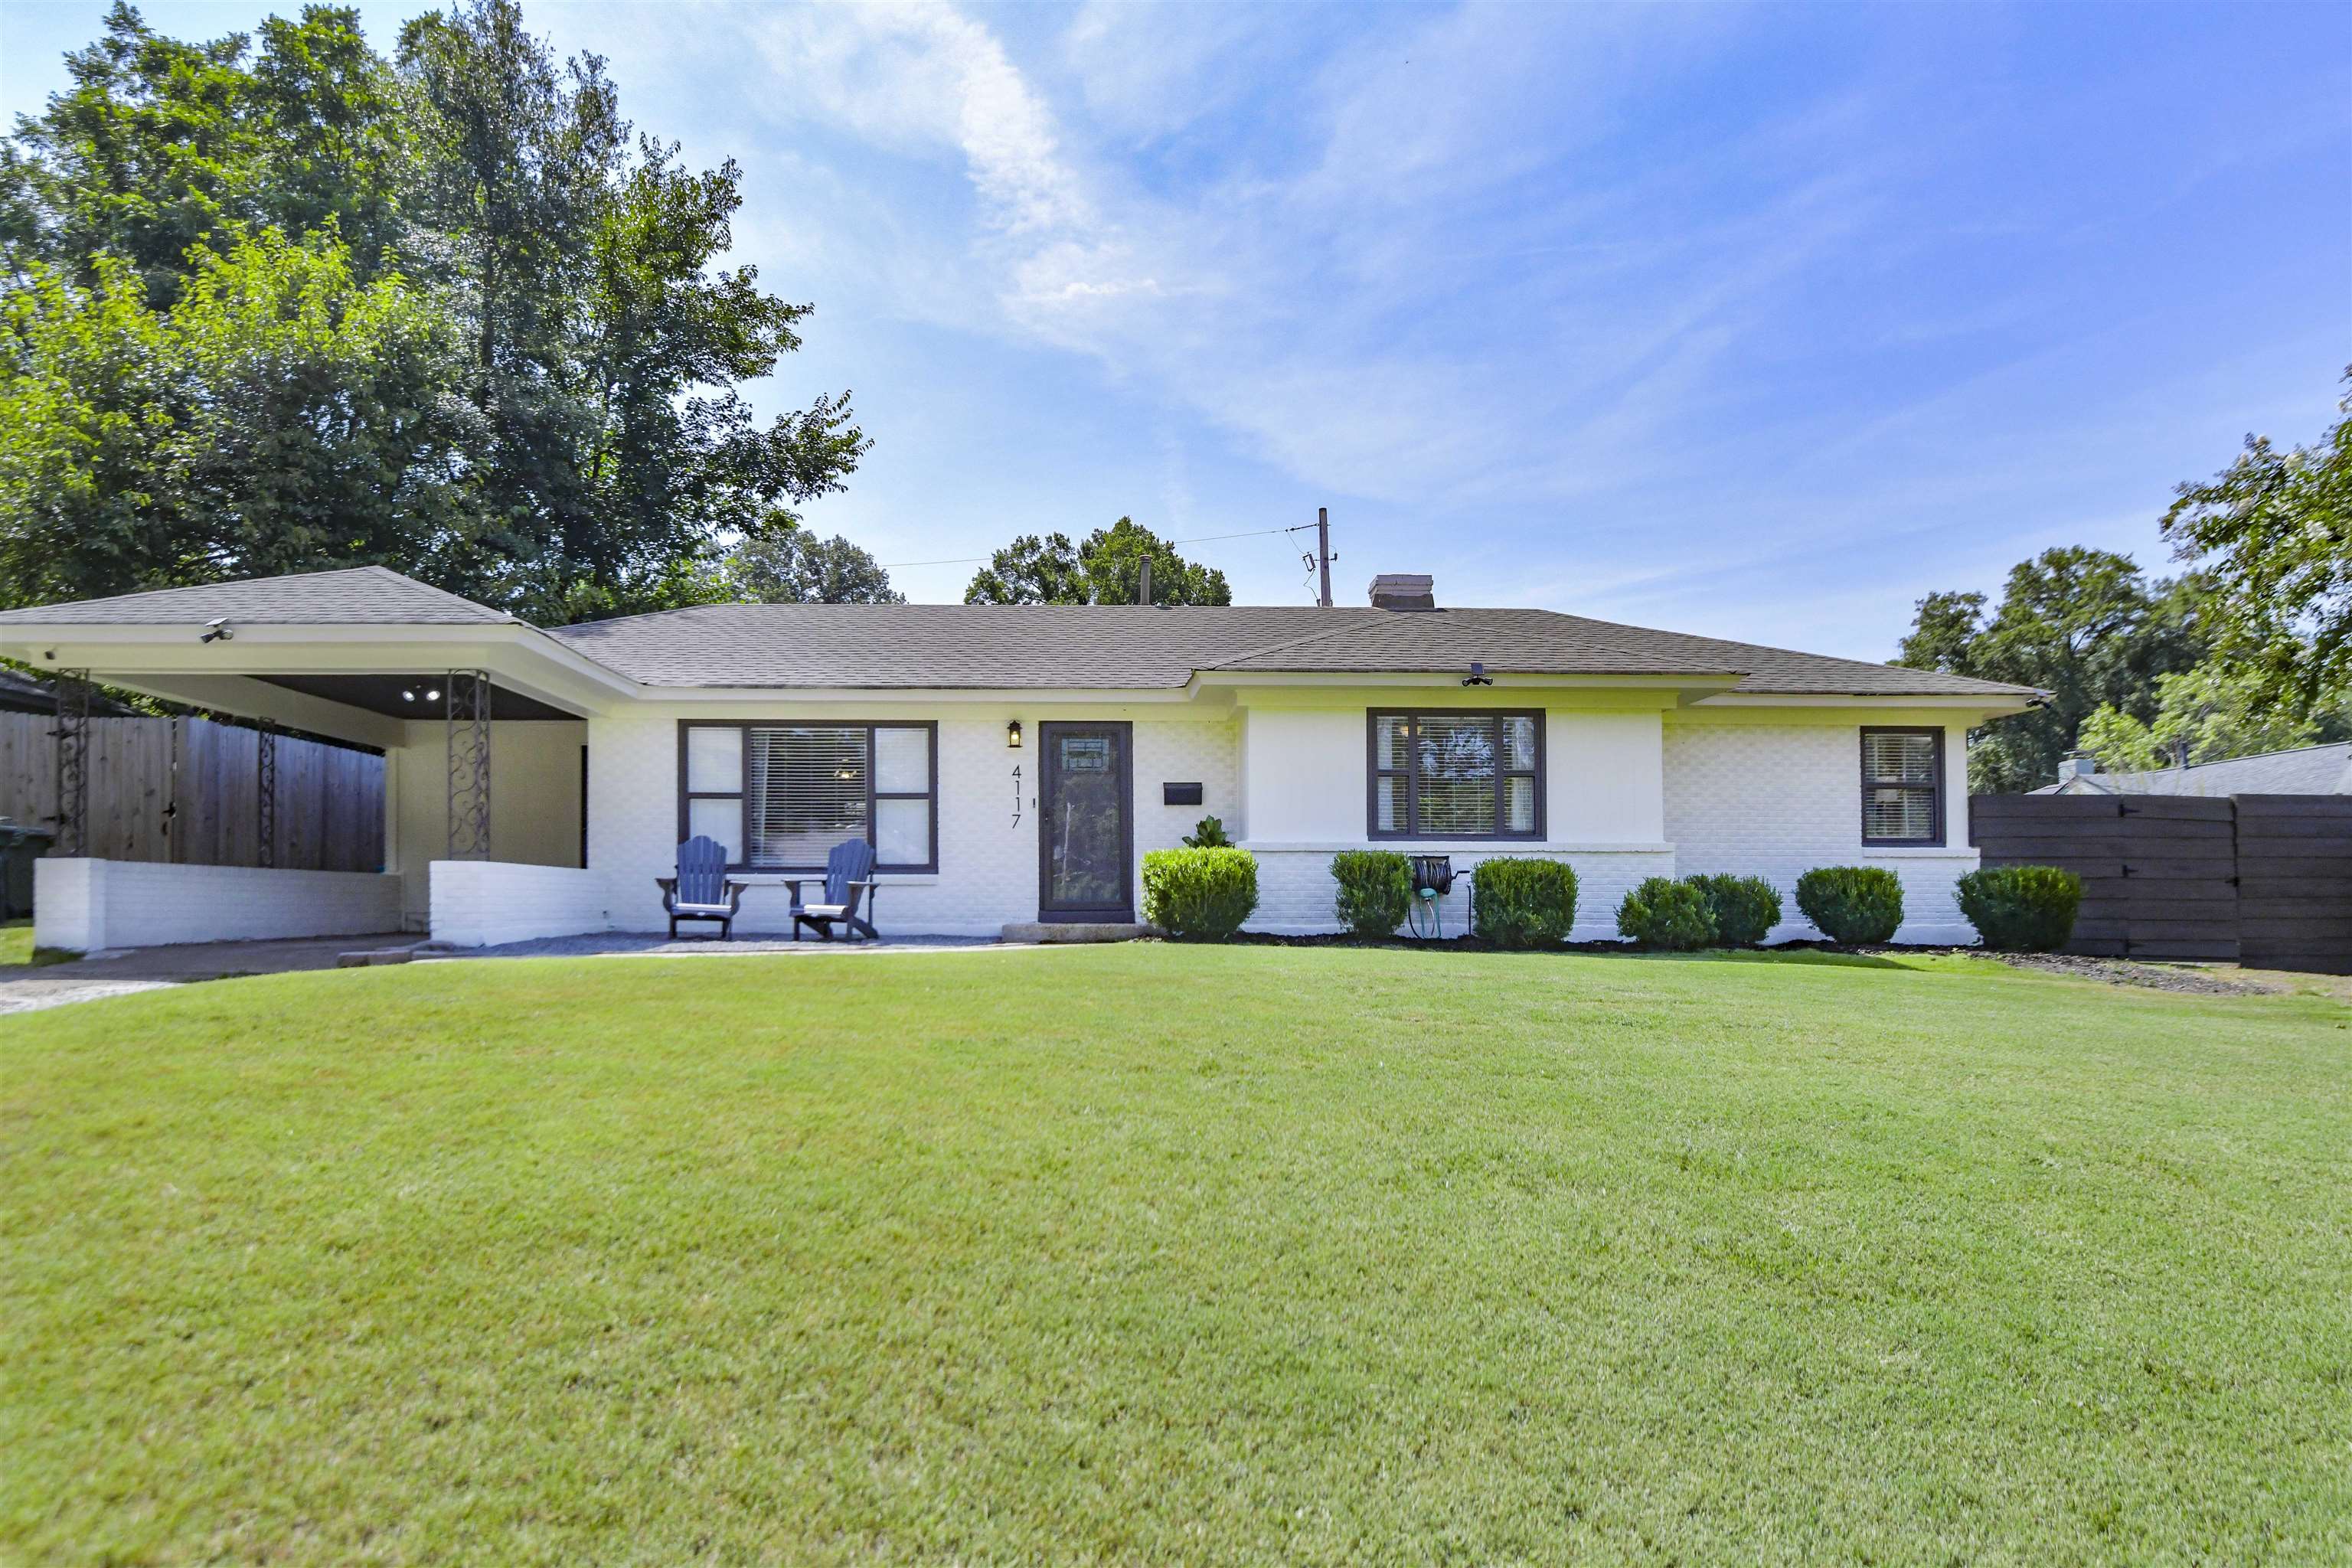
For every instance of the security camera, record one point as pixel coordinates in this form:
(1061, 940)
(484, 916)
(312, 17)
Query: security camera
(218, 631)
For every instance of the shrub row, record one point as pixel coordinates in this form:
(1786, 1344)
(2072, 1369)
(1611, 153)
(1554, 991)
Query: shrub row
(1531, 902)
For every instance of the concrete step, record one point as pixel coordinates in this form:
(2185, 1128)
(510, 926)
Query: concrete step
(1085, 930)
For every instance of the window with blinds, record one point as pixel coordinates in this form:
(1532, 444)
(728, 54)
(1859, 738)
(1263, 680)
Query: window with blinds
(1456, 775)
(1902, 786)
(781, 796)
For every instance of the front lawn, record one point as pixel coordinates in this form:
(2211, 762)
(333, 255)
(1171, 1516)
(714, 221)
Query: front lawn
(1180, 1255)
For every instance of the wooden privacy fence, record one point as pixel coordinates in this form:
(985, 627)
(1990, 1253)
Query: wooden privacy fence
(2264, 879)
(189, 791)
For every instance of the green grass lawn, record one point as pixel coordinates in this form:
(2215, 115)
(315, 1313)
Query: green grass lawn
(16, 941)
(1177, 1255)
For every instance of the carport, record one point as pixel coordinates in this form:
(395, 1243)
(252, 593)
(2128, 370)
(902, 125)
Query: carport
(481, 718)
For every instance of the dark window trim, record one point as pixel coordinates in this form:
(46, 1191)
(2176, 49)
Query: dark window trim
(1861, 745)
(1411, 773)
(741, 794)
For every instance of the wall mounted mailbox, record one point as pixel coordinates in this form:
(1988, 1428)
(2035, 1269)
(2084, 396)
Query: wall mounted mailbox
(1180, 795)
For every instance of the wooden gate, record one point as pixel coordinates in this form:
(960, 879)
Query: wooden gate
(2264, 879)
(188, 791)
(2295, 881)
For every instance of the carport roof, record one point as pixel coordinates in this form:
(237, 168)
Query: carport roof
(358, 597)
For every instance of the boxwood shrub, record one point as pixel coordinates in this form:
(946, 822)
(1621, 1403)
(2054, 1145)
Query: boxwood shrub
(1665, 913)
(1854, 905)
(1375, 890)
(1522, 902)
(1199, 892)
(2021, 909)
(1743, 908)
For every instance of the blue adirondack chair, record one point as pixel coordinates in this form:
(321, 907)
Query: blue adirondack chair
(848, 878)
(701, 890)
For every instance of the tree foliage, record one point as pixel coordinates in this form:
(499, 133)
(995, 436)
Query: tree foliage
(2219, 710)
(160, 145)
(2273, 535)
(1106, 569)
(278, 416)
(566, 440)
(2086, 625)
(794, 566)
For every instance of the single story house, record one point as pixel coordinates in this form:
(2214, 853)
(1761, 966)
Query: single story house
(2303, 770)
(1011, 764)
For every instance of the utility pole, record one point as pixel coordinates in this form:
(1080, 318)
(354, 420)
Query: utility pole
(1323, 551)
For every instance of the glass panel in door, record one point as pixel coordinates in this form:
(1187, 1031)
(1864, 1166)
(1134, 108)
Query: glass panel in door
(1084, 859)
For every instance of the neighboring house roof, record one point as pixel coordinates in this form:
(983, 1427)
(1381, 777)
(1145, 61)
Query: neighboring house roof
(362, 595)
(21, 693)
(1014, 646)
(2307, 770)
(1043, 646)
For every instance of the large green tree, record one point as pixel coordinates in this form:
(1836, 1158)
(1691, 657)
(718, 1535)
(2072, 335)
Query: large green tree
(159, 145)
(2086, 625)
(1106, 569)
(2272, 536)
(278, 415)
(593, 453)
(794, 566)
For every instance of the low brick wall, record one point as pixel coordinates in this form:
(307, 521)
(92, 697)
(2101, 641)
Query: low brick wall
(83, 906)
(481, 903)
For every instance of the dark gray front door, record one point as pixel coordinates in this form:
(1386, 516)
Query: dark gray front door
(1085, 844)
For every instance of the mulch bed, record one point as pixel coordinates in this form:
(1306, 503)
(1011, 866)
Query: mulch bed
(2179, 977)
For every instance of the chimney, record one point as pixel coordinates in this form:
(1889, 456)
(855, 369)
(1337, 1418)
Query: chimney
(1404, 590)
(1143, 589)
(2076, 765)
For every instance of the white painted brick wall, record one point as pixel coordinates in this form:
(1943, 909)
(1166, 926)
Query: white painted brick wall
(988, 862)
(1297, 891)
(82, 906)
(1777, 800)
(480, 903)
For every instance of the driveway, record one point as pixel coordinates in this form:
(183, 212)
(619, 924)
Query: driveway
(24, 987)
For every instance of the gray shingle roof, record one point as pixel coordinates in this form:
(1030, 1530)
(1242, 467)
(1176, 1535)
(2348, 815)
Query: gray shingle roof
(360, 596)
(1100, 646)
(2307, 770)
(1001, 646)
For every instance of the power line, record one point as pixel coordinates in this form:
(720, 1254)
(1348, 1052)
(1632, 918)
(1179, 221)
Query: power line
(1198, 539)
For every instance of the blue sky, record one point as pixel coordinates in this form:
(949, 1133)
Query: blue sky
(1753, 321)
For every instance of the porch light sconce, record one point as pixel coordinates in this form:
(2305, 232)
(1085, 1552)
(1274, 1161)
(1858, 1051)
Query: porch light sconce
(1478, 675)
(1013, 736)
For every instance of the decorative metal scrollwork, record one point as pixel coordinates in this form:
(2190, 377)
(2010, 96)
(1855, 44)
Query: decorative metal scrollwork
(73, 762)
(468, 698)
(265, 797)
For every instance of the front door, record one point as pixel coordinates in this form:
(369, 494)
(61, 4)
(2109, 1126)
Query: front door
(1085, 844)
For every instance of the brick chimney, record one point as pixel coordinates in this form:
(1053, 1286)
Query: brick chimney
(1404, 590)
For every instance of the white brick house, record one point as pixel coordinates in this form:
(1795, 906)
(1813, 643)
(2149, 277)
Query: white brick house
(1010, 764)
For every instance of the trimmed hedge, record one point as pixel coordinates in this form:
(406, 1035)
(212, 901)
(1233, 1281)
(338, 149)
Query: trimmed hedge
(1199, 892)
(1855, 906)
(1522, 902)
(2021, 909)
(1375, 890)
(1665, 913)
(1742, 908)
